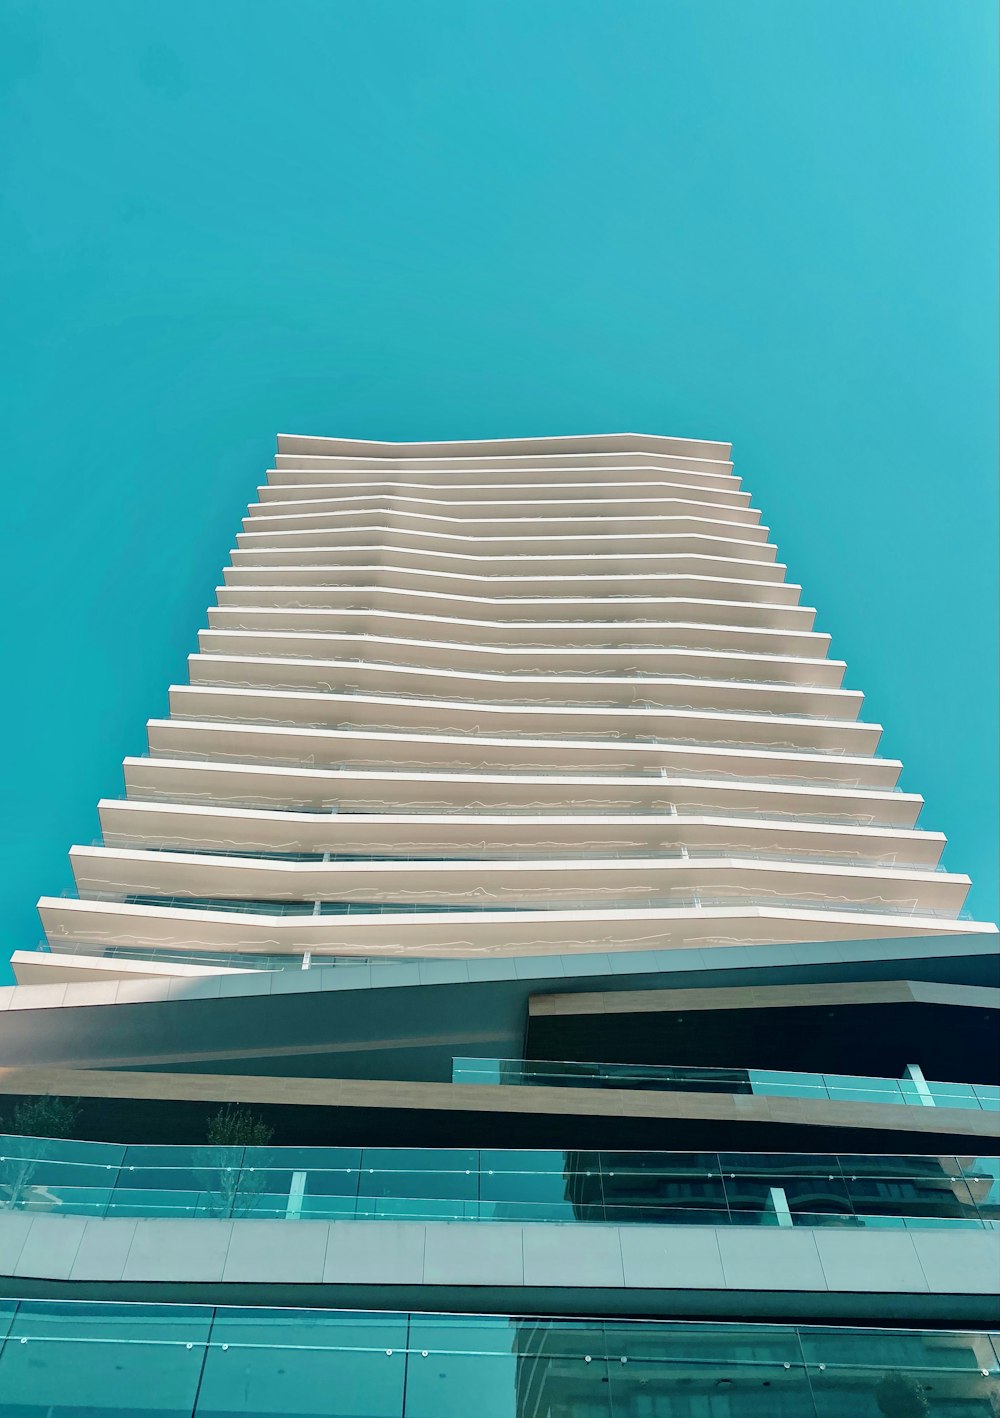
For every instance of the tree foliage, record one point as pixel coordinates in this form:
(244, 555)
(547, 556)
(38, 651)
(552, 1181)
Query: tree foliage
(44, 1116)
(900, 1396)
(235, 1126)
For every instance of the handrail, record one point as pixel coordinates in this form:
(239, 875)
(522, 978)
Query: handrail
(692, 901)
(111, 1179)
(595, 856)
(833, 1087)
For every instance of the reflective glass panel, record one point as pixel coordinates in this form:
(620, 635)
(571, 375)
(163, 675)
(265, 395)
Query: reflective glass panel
(75, 1361)
(304, 1364)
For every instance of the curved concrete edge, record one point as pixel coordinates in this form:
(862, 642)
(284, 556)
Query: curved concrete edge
(939, 958)
(929, 1274)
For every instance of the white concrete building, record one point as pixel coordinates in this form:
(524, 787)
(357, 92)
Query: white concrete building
(504, 699)
(515, 831)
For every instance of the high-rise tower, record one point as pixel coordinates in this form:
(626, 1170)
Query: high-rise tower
(516, 856)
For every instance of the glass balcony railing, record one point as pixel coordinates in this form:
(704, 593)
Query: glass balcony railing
(596, 855)
(227, 960)
(745, 777)
(528, 700)
(77, 1359)
(681, 902)
(833, 1087)
(479, 663)
(801, 817)
(103, 1179)
(618, 645)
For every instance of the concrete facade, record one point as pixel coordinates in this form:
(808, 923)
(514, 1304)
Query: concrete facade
(524, 752)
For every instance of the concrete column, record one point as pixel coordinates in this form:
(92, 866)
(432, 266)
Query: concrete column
(296, 1191)
(916, 1076)
(780, 1207)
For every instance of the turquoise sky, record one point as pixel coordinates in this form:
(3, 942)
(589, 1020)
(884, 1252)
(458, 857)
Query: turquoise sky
(771, 221)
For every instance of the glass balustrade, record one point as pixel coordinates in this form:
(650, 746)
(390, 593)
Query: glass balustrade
(78, 1358)
(802, 818)
(481, 1184)
(229, 960)
(681, 902)
(207, 680)
(481, 669)
(843, 1088)
(632, 776)
(596, 855)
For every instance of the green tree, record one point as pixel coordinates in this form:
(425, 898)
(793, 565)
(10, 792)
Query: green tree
(233, 1187)
(45, 1116)
(236, 1126)
(900, 1396)
(34, 1123)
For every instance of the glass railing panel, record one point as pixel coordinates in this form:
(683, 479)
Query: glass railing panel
(910, 1094)
(297, 1159)
(87, 1358)
(805, 1193)
(550, 1187)
(669, 1163)
(978, 1168)
(801, 857)
(170, 1157)
(46, 1184)
(931, 1197)
(786, 1084)
(46, 1174)
(147, 1358)
(664, 1212)
(313, 1183)
(858, 1373)
(954, 1095)
(493, 1184)
(96, 1154)
(829, 1087)
(929, 1350)
(536, 1073)
(470, 1365)
(751, 1371)
(523, 1160)
(446, 1173)
(428, 1184)
(300, 1363)
(76, 1201)
(983, 1177)
(665, 1192)
(706, 1207)
(918, 1166)
(149, 1201)
(856, 1088)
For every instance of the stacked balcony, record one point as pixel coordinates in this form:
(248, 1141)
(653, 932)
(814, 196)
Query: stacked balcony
(517, 699)
(518, 868)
